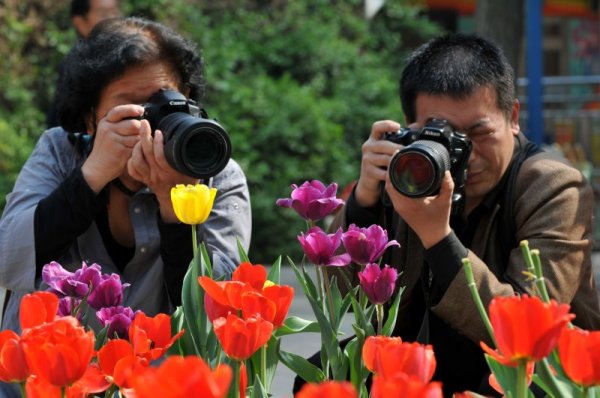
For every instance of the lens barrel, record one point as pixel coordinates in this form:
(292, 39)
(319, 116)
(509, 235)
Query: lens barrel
(196, 147)
(417, 170)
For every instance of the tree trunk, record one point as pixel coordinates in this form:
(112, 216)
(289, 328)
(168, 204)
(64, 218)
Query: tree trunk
(502, 22)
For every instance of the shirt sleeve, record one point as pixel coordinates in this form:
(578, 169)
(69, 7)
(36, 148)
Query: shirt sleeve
(64, 215)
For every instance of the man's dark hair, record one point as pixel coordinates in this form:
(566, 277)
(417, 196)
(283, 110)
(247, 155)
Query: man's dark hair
(80, 7)
(112, 47)
(456, 65)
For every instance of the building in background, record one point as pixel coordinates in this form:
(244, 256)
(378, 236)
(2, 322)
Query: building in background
(571, 76)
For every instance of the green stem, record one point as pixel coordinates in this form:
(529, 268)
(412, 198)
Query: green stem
(22, 389)
(263, 366)
(522, 379)
(539, 276)
(63, 392)
(475, 293)
(379, 310)
(527, 256)
(195, 248)
(329, 297)
(234, 389)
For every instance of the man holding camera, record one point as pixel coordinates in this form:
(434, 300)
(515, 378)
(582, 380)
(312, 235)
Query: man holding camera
(98, 188)
(514, 191)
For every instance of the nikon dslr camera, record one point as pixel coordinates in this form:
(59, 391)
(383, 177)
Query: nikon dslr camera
(417, 170)
(194, 145)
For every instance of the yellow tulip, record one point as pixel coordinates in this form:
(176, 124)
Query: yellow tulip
(192, 203)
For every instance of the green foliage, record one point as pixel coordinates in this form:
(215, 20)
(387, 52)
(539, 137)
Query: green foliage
(296, 83)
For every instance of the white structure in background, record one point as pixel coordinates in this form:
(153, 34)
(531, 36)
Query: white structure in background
(372, 7)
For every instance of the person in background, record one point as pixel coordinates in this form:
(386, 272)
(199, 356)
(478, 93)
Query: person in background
(514, 191)
(98, 190)
(85, 14)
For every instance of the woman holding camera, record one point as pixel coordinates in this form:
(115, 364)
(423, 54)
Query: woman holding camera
(97, 190)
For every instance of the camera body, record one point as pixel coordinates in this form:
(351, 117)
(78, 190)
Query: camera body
(417, 170)
(194, 145)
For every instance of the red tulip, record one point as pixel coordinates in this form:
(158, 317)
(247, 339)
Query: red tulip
(394, 357)
(253, 275)
(59, 352)
(240, 338)
(328, 389)
(525, 328)
(579, 352)
(151, 337)
(372, 346)
(118, 362)
(37, 308)
(282, 296)
(183, 377)
(13, 366)
(405, 386)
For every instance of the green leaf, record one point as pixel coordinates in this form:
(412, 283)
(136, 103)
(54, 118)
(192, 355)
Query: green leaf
(101, 338)
(189, 304)
(243, 255)
(294, 324)
(302, 367)
(390, 323)
(258, 390)
(554, 385)
(505, 375)
(275, 271)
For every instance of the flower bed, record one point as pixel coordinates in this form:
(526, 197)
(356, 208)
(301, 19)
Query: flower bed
(224, 340)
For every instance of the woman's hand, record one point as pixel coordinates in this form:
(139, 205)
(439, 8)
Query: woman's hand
(149, 166)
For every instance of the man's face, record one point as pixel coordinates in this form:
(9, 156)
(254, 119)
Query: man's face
(99, 10)
(491, 133)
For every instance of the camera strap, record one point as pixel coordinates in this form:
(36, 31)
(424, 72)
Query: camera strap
(508, 229)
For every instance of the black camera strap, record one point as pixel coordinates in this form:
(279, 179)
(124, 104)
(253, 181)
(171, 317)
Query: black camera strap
(508, 229)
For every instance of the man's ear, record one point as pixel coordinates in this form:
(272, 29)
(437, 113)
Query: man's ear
(514, 117)
(81, 25)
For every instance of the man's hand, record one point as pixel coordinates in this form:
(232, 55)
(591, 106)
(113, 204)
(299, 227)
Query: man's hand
(116, 135)
(149, 166)
(429, 217)
(376, 155)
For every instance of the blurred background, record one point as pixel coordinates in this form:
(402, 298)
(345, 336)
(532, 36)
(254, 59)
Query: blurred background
(297, 84)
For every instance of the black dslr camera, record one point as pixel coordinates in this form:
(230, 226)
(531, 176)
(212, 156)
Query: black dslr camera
(194, 145)
(417, 170)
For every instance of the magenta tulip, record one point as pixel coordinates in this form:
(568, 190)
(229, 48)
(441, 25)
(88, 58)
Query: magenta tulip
(320, 248)
(73, 284)
(366, 245)
(378, 283)
(312, 200)
(119, 318)
(108, 292)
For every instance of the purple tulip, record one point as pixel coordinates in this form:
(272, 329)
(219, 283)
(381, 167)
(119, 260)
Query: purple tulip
(73, 284)
(66, 306)
(378, 283)
(108, 292)
(320, 248)
(312, 200)
(366, 245)
(119, 318)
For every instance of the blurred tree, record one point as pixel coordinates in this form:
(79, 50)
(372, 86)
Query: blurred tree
(502, 21)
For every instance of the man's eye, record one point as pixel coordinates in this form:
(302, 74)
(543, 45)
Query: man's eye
(479, 137)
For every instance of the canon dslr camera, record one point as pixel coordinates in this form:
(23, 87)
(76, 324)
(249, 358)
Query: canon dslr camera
(417, 170)
(194, 145)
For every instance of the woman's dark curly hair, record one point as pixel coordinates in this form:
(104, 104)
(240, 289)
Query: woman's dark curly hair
(111, 48)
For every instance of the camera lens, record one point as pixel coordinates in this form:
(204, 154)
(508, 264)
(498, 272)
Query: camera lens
(418, 169)
(197, 147)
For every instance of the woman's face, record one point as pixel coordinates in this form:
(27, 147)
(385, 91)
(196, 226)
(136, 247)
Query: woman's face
(135, 86)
